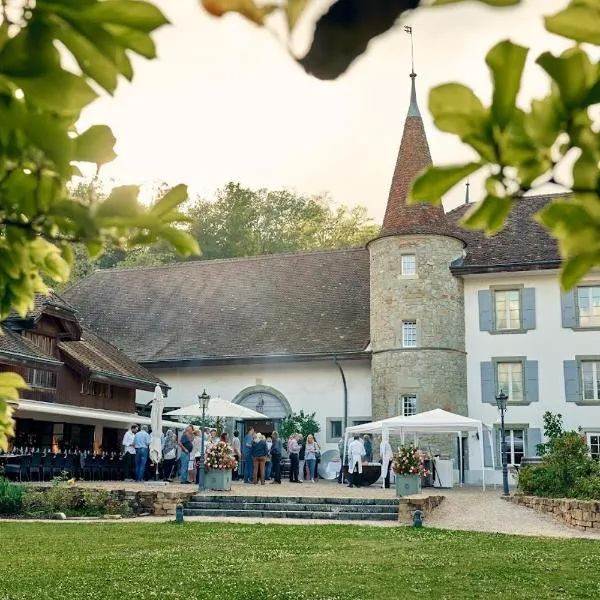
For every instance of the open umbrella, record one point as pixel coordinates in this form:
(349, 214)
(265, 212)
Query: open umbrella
(218, 407)
(158, 403)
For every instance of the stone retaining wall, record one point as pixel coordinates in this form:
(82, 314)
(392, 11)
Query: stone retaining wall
(408, 505)
(581, 514)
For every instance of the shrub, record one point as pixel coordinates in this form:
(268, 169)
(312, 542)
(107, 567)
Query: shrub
(11, 498)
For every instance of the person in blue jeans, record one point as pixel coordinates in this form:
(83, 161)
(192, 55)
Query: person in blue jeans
(185, 446)
(141, 443)
(310, 456)
(248, 463)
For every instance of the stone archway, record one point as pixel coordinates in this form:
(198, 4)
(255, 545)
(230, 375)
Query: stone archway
(267, 400)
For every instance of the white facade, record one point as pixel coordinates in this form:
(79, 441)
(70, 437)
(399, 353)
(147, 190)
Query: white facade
(311, 386)
(548, 344)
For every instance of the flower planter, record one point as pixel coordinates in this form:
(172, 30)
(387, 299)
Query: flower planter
(217, 479)
(408, 485)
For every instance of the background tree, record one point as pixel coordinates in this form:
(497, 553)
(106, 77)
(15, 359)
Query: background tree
(298, 423)
(40, 106)
(520, 149)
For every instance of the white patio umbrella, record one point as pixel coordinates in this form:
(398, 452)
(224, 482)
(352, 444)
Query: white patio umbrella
(218, 407)
(158, 404)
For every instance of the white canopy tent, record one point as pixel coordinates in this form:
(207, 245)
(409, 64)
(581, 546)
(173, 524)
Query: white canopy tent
(432, 421)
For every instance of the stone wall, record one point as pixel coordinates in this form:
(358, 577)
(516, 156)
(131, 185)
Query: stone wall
(426, 504)
(435, 371)
(581, 514)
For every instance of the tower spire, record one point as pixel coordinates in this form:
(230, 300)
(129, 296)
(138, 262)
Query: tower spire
(413, 108)
(467, 185)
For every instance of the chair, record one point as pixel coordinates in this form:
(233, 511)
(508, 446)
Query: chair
(47, 461)
(69, 465)
(58, 465)
(35, 465)
(20, 469)
(89, 467)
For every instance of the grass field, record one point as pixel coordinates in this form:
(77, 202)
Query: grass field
(122, 561)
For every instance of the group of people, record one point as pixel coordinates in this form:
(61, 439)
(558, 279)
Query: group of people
(360, 450)
(261, 457)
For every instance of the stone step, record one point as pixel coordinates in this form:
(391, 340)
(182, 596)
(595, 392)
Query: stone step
(295, 500)
(287, 514)
(292, 506)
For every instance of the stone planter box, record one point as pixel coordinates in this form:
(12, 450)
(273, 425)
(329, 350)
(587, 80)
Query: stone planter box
(408, 485)
(216, 479)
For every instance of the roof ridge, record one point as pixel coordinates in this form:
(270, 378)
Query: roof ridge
(532, 197)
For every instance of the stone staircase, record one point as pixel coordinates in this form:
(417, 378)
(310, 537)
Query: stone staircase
(341, 509)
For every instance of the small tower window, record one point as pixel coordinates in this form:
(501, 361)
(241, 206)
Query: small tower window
(409, 334)
(409, 264)
(408, 405)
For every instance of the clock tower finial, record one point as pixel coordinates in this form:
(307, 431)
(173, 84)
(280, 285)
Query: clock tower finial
(413, 108)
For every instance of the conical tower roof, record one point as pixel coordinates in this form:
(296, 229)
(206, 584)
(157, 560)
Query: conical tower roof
(402, 218)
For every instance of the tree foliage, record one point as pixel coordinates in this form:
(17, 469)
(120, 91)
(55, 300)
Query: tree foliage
(520, 149)
(40, 105)
(298, 423)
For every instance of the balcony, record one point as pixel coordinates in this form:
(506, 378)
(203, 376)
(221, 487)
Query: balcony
(39, 394)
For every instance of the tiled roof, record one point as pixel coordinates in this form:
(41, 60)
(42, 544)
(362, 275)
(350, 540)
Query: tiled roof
(522, 243)
(100, 357)
(413, 156)
(287, 304)
(14, 345)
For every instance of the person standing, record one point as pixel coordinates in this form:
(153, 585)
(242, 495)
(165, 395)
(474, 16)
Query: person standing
(185, 446)
(293, 451)
(141, 443)
(269, 465)
(311, 448)
(386, 453)
(368, 444)
(259, 457)
(276, 452)
(301, 458)
(169, 452)
(356, 450)
(248, 464)
(129, 453)
(236, 447)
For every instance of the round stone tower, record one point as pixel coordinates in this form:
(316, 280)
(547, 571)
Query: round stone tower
(417, 305)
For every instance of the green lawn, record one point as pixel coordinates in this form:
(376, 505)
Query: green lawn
(142, 561)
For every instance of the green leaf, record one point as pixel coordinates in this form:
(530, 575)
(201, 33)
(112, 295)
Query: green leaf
(434, 182)
(573, 73)
(121, 203)
(138, 41)
(135, 14)
(488, 215)
(9, 379)
(31, 52)
(171, 200)
(57, 91)
(576, 267)
(96, 145)
(91, 61)
(506, 62)
(293, 11)
(585, 172)
(183, 242)
(456, 109)
(544, 122)
(47, 133)
(580, 22)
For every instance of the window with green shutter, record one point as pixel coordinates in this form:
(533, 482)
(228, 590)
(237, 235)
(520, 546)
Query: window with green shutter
(506, 310)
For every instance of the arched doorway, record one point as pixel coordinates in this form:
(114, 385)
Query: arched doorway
(268, 401)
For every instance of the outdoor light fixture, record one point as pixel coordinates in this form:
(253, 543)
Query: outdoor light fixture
(501, 403)
(204, 399)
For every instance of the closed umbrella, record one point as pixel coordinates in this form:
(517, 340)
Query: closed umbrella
(158, 404)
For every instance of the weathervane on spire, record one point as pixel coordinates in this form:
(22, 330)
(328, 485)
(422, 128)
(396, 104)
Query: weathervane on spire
(409, 30)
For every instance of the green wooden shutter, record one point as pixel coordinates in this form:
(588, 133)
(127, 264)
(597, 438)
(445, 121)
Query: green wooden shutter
(488, 394)
(531, 381)
(528, 300)
(572, 385)
(568, 309)
(486, 317)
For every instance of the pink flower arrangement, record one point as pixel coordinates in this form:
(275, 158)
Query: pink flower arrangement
(219, 456)
(409, 460)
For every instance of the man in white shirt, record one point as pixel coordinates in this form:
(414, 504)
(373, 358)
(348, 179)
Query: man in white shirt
(385, 450)
(129, 452)
(356, 451)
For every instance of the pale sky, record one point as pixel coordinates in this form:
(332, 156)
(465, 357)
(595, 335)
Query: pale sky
(224, 102)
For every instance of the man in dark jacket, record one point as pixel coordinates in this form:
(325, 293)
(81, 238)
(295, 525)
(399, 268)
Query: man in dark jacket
(276, 452)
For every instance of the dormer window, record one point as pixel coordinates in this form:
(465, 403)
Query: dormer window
(408, 264)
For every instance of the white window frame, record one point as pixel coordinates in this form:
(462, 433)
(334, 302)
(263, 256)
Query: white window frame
(406, 401)
(594, 311)
(409, 334)
(507, 312)
(510, 444)
(594, 445)
(408, 265)
(507, 386)
(595, 380)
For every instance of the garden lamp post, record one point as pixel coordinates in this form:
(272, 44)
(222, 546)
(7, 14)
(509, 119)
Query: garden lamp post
(501, 403)
(204, 399)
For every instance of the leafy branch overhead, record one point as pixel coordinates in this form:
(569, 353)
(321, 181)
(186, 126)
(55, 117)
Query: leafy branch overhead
(40, 105)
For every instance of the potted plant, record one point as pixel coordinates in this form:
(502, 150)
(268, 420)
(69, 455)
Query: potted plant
(408, 465)
(219, 461)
